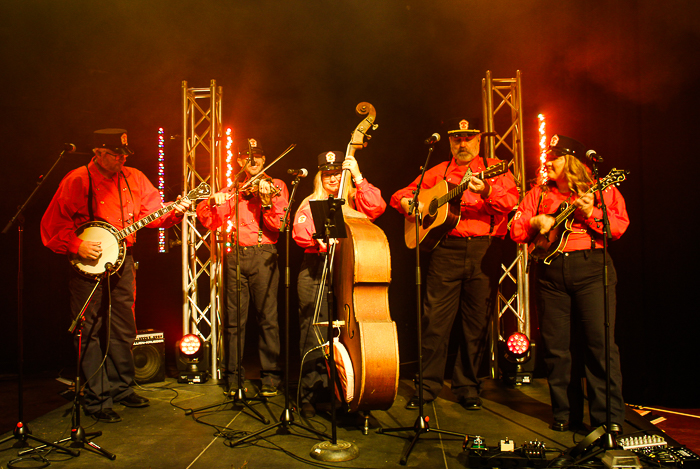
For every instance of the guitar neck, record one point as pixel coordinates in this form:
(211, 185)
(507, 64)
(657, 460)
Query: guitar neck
(145, 221)
(491, 171)
(454, 193)
(570, 209)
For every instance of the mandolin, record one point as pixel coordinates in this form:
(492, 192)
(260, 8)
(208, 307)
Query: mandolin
(548, 246)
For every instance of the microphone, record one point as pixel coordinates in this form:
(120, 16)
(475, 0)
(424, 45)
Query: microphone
(432, 139)
(70, 149)
(300, 173)
(251, 158)
(593, 156)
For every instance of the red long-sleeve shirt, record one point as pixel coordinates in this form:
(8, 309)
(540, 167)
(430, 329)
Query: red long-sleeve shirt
(257, 225)
(580, 238)
(116, 200)
(476, 212)
(368, 200)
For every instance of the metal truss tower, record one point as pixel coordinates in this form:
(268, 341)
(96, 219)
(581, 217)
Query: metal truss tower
(202, 256)
(504, 94)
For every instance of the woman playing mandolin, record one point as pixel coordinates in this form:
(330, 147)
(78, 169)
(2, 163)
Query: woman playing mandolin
(570, 292)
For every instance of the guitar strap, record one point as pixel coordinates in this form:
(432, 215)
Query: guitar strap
(492, 223)
(260, 227)
(90, 210)
(121, 205)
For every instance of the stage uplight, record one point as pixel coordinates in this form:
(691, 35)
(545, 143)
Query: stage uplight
(192, 364)
(517, 363)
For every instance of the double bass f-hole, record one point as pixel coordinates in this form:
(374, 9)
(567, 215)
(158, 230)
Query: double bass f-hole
(348, 321)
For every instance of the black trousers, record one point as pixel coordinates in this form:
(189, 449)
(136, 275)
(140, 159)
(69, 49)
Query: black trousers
(462, 282)
(102, 332)
(314, 375)
(259, 285)
(571, 308)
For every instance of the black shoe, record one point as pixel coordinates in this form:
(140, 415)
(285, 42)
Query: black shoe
(231, 389)
(470, 403)
(307, 410)
(268, 390)
(104, 415)
(134, 400)
(413, 404)
(560, 426)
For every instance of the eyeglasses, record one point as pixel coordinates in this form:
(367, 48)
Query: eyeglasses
(330, 174)
(462, 138)
(553, 154)
(116, 156)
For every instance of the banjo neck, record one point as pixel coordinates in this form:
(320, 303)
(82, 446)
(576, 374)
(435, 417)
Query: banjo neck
(134, 227)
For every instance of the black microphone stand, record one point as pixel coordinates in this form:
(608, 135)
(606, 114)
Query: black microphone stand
(421, 425)
(287, 417)
(78, 437)
(21, 432)
(605, 438)
(238, 396)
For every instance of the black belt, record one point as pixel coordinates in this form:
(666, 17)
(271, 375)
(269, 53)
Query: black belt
(468, 237)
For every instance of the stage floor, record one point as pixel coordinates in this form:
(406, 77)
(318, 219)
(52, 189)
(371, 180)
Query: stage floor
(166, 435)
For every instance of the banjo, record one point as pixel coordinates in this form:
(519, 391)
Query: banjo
(112, 239)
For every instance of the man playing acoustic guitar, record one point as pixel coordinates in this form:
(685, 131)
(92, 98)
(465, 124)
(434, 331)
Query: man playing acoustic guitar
(463, 271)
(105, 190)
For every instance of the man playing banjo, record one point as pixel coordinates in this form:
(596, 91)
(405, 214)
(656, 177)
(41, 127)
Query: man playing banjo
(105, 191)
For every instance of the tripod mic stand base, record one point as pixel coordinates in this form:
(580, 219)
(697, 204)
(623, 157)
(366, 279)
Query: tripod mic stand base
(329, 452)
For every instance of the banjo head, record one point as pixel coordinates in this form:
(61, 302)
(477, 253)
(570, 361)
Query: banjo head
(113, 250)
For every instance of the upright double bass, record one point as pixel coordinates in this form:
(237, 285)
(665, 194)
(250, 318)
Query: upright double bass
(362, 273)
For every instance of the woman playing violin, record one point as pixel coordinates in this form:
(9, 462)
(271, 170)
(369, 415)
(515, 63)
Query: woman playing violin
(365, 198)
(259, 215)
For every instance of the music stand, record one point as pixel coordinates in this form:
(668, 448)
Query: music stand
(421, 425)
(330, 224)
(287, 417)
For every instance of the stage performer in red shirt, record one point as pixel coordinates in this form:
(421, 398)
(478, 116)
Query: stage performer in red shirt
(363, 197)
(105, 190)
(570, 286)
(462, 277)
(260, 213)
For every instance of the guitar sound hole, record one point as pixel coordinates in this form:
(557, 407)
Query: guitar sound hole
(433, 208)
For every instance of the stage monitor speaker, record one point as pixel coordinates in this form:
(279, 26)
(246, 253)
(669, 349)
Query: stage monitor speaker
(149, 356)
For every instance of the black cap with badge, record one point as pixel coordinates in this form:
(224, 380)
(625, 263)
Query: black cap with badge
(560, 145)
(250, 144)
(462, 127)
(112, 139)
(330, 160)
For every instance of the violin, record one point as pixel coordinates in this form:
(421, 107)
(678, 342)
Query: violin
(254, 187)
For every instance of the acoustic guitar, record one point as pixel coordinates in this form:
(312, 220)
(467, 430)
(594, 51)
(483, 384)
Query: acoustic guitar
(441, 209)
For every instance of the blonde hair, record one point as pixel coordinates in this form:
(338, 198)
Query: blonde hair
(578, 176)
(320, 192)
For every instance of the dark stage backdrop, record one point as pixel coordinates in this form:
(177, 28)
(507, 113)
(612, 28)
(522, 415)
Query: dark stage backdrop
(622, 77)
